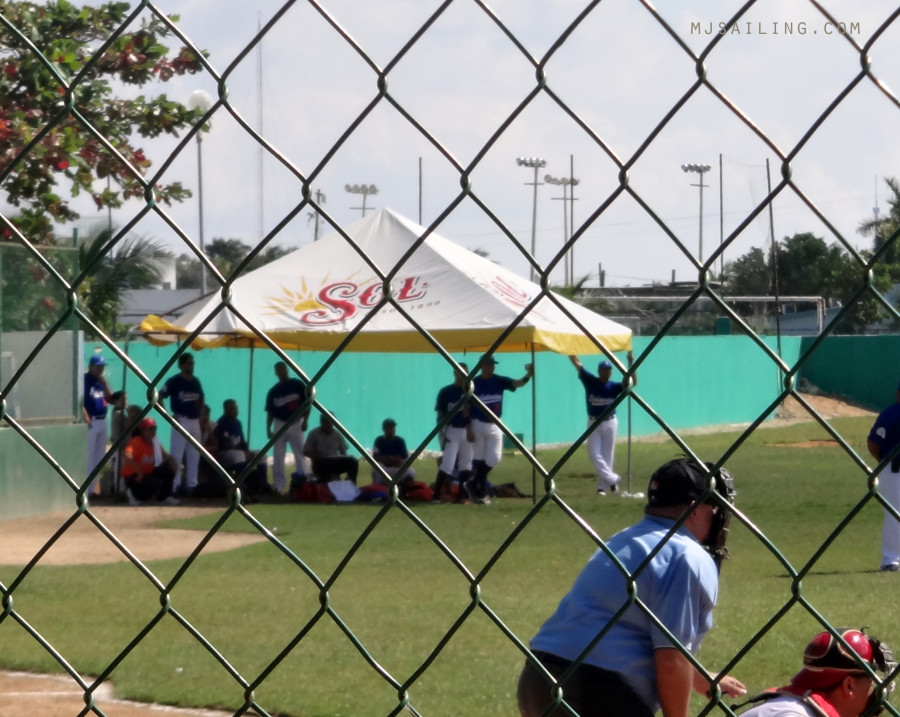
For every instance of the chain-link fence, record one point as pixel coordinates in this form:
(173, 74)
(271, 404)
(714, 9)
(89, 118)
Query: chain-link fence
(538, 85)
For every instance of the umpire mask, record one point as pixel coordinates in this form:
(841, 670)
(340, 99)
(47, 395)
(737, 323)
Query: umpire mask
(682, 481)
(718, 531)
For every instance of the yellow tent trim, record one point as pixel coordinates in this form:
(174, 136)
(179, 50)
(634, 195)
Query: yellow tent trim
(160, 332)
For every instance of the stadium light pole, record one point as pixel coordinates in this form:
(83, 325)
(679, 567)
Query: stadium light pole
(200, 100)
(365, 190)
(700, 169)
(536, 163)
(565, 183)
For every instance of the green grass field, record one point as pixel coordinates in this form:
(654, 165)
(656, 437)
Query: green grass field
(399, 594)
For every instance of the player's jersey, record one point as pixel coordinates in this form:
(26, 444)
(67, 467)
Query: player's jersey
(598, 394)
(140, 452)
(230, 434)
(490, 391)
(94, 396)
(786, 702)
(390, 447)
(886, 431)
(186, 395)
(447, 398)
(285, 398)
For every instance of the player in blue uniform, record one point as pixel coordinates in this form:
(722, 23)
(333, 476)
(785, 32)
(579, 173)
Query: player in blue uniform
(883, 438)
(457, 451)
(390, 452)
(185, 396)
(483, 431)
(93, 409)
(283, 403)
(599, 393)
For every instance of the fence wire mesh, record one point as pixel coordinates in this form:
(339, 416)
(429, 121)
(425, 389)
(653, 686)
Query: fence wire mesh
(538, 85)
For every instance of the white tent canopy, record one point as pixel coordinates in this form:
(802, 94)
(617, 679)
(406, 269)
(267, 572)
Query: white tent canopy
(312, 298)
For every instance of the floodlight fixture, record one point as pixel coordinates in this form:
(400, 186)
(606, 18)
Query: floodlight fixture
(365, 190)
(535, 163)
(700, 169)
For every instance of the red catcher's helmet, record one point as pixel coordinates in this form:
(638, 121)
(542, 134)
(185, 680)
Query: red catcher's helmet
(826, 660)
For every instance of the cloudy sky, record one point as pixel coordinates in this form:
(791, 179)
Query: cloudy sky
(613, 82)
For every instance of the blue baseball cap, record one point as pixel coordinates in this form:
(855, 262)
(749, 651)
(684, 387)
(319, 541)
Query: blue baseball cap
(487, 358)
(604, 364)
(97, 360)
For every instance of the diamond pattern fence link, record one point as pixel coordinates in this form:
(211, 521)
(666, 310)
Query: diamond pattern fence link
(473, 575)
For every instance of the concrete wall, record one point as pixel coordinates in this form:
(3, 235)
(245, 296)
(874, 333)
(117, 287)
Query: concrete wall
(28, 484)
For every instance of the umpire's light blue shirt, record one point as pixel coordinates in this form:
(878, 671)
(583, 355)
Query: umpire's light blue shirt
(680, 586)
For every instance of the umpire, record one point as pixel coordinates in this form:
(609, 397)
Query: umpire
(633, 670)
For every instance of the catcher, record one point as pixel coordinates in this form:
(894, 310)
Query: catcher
(837, 679)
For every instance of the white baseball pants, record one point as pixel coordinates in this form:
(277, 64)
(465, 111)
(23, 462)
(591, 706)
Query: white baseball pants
(457, 451)
(96, 447)
(601, 448)
(181, 450)
(293, 436)
(488, 443)
(889, 486)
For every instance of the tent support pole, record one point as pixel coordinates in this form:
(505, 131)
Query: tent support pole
(533, 429)
(628, 408)
(250, 399)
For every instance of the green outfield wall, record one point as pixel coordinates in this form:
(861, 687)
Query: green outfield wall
(862, 369)
(28, 486)
(691, 380)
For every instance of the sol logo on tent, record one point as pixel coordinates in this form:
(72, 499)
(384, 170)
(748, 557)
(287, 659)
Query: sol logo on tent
(342, 300)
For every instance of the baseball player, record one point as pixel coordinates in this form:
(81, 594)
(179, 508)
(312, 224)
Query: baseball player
(883, 438)
(283, 404)
(483, 431)
(186, 401)
(599, 393)
(457, 451)
(835, 681)
(93, 409)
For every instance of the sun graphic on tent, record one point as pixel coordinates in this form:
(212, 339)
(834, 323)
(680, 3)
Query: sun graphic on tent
(294, 301)
(299, 301)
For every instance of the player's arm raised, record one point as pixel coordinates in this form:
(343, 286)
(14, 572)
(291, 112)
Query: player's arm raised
(529, 372)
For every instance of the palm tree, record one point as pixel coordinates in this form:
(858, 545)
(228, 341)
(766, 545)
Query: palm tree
(132, 263)
(887, 230)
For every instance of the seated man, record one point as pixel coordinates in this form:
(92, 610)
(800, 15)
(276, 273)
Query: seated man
(390, 453)
(327, 450)
(232, 451)
(147, 469)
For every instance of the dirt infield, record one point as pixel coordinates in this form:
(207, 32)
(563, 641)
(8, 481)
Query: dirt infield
(24, 694)
(84, 544)
(57, 695)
